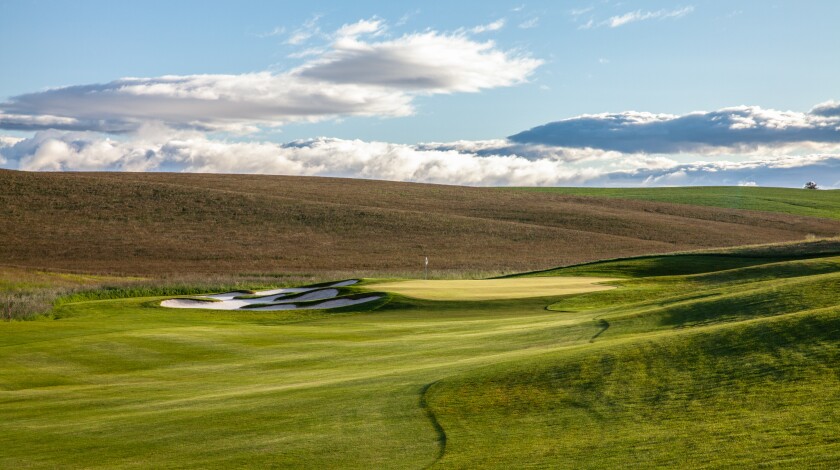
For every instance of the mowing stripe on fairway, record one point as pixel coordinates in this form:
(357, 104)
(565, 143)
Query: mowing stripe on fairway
(494, 289)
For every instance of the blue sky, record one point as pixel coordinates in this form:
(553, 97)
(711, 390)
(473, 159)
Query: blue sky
(384, 83)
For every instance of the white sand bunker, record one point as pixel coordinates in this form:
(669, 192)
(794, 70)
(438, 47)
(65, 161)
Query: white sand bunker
(292, 298)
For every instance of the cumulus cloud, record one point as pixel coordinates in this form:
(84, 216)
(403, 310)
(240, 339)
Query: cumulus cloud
(193, 152)
(7, 141)
(425, 62)
(480, 163)
(359, 74)
(736, 129)
(828, 109)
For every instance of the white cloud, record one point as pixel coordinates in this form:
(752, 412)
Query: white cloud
(575, 12)
(277, 31)
(7, 141)
(829, 108)
(51, 150)
(786, 171)
(359, 28)
(639, 15)
(494, 26)
(493, 162)
(422, 63)
(531, 23)
(357, 75)
(308, 30)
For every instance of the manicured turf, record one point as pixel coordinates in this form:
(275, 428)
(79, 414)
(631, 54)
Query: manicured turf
(730, 366)
(783, 200)
(494, 289)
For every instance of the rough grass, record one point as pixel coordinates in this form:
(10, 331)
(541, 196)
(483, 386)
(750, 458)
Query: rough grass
(727, 367)
(153, 223)
(698, 262)
(782, 200)
(27, 294)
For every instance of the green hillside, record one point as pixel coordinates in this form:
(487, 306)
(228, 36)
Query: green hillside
(784, 200)
(716, 365)
(730, 368)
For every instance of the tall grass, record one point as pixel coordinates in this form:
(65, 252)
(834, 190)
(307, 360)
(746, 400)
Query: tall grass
(28, 301)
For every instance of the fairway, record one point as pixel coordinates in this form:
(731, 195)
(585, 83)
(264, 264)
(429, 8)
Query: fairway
(495, 289)
(689, 362)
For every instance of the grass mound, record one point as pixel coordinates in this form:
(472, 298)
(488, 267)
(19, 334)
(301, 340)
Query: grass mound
(764, 393)
(698, 262)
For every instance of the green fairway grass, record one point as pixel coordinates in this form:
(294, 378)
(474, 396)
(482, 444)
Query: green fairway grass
(494, 289)
(784, 200)
(689, 361)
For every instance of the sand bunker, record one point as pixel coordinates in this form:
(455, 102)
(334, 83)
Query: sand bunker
(292, 298)
(494, 289)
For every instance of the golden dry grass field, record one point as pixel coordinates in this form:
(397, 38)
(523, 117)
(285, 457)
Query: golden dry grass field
(151, 224)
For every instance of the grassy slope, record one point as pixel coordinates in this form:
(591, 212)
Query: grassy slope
(724, 368)
(782, 200)
(731, 367)
(154, 223)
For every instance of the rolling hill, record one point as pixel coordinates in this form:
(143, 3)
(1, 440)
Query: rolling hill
(710, 366)
(151, 223)
(782, 200)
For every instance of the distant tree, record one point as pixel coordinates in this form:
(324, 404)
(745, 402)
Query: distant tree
(810, 185)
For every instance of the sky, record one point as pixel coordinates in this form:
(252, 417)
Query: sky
(553, 93)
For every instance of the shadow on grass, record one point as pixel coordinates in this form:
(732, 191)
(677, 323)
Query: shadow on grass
(433, 419)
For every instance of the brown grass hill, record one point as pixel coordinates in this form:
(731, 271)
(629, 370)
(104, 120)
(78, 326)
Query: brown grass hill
(147, 223)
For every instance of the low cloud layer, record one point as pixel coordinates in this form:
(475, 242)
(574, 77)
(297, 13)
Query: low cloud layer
(361, 73)
(481, 163)
(735, 129)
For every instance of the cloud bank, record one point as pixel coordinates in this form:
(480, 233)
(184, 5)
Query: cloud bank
(735, 129)
(481, 163)
(361, 73)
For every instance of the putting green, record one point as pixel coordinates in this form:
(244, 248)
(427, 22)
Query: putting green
(494, 289)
